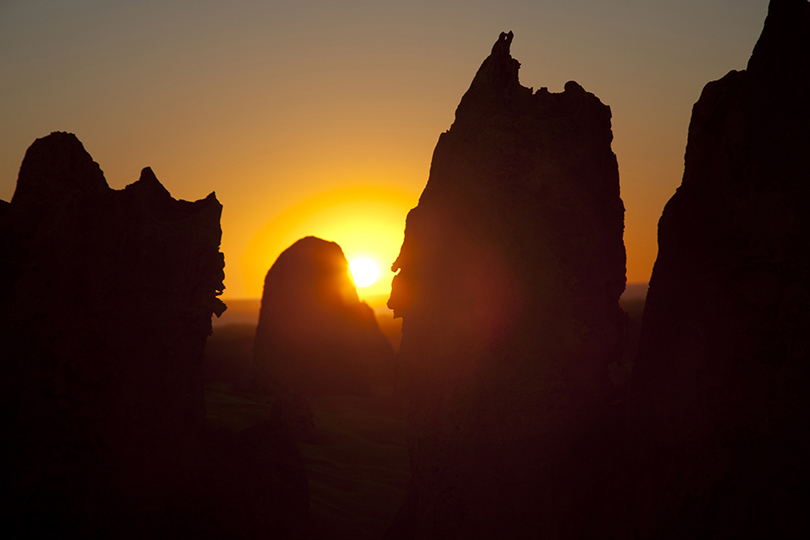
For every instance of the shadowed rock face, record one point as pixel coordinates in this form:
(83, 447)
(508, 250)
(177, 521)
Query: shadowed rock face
(508, 286)
(314, 336)
(108, 304)
(720, 407)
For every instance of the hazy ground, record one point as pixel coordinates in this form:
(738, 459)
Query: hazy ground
(358, 465)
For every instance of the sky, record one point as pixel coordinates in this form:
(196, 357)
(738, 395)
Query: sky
(320, 117)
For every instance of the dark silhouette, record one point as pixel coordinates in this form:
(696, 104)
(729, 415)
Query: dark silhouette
(314, 336)
(509, 280)
(515, 351)
(107, 310)
(719, 418)
(229, 357)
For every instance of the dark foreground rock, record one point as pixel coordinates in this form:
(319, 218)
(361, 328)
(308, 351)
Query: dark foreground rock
(720, 409)
(108, 304)
(314, 336)
(508, 286)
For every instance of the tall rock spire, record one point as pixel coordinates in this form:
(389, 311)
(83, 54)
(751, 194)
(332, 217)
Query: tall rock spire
(508, 282)
(719, 410)
(107, 305)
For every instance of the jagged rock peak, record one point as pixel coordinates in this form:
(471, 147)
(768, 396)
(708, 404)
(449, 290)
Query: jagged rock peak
(501, 47)
(496, 90)
(509, 277)
(107, 305)
(500, 61)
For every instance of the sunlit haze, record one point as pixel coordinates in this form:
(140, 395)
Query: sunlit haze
(367, 221)
(320, 118)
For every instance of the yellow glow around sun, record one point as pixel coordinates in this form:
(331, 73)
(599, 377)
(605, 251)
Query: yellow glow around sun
(364, 271)
(366, 221)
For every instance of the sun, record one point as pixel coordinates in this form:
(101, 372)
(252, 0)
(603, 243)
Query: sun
(364, 271)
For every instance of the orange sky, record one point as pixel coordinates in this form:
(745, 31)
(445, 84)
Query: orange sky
(317, 117)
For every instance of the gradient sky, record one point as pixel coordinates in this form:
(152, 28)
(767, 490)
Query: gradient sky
(320, 117)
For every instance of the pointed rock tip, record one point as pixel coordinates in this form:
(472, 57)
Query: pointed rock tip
(148, 175)
(499, 71)
(211, 201)
(502, 45)
(149, 184)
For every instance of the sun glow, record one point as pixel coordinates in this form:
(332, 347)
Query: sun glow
(364, 271)
(366, 221)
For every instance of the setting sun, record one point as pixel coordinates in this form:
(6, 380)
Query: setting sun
(367, 221)
(364, 271)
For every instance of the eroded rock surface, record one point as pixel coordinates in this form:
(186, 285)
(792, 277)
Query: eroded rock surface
(508, 286)
(314, 336)
(108, 304)
(720, 409)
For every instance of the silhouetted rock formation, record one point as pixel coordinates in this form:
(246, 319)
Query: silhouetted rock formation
(109, 304)
(508, 286)
(720, 408)
(314, 335)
